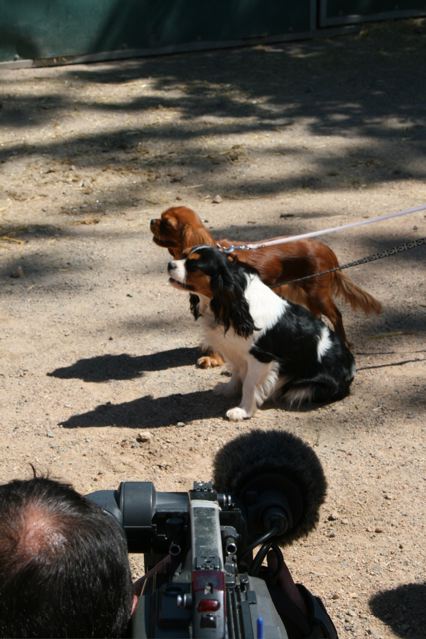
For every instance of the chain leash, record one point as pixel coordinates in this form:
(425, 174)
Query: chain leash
(363, 260)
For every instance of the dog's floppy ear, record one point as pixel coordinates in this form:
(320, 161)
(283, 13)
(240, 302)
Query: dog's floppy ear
(191, 236)
(229, 304)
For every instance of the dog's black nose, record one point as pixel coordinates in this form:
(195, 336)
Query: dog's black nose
(171, 266)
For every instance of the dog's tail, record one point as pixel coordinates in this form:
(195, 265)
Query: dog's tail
(322, 389)
(355, 295)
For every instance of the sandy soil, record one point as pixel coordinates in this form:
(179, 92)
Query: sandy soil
(98, 382)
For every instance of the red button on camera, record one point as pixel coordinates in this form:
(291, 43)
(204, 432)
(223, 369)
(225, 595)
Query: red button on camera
(208, 605)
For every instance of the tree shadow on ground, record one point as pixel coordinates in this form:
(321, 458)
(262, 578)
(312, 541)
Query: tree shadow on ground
(403, 609)
(106, 367)
(393, 323)
(341, 87)
(48, 271)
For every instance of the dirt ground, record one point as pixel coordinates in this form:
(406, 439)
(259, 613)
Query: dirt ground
(98, 382)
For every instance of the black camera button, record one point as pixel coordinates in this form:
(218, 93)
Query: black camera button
(208, 621)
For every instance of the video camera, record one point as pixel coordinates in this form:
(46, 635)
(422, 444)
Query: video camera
(203, 578)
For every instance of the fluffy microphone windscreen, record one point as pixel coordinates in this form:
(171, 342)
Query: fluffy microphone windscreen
(258, 454)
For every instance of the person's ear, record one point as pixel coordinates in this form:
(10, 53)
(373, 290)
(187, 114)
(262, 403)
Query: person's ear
(134, 604)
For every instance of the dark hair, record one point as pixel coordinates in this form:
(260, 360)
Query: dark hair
(64, 568)
(228, 282)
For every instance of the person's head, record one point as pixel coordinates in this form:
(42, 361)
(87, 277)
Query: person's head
(64, 568)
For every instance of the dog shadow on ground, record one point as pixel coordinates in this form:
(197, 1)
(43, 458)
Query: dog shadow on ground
(150, 412)
(403, 609)
(103, 368)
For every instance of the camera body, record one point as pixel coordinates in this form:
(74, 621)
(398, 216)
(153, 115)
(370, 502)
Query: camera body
(197, 551)
(204, 549)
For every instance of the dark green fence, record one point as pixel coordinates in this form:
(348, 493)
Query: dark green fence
(70, 30)
(39, 29)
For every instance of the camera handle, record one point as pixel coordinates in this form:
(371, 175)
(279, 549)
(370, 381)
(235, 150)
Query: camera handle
(207, 570)
(217, 585)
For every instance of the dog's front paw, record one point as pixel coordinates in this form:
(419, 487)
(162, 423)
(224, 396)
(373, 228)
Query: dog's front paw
(210, 361)
(237, 414)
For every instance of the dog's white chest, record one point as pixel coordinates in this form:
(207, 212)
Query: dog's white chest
(231, 346)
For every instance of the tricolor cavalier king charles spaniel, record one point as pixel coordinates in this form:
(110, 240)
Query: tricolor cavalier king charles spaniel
(274, 348)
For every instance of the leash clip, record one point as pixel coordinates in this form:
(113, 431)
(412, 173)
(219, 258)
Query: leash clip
(230, 249)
